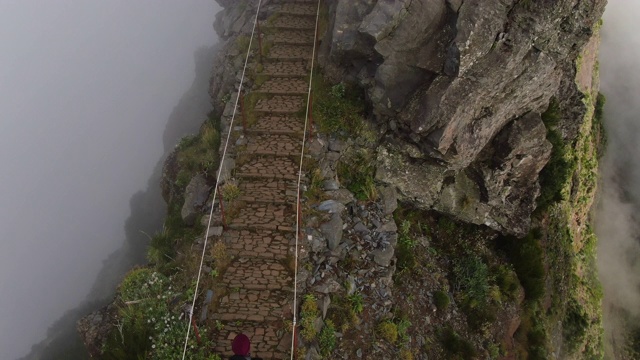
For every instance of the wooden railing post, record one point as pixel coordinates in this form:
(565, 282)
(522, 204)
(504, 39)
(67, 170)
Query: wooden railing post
(224, 221)
(195, 329)
(259, 41)
(311, 116)
(243, 111)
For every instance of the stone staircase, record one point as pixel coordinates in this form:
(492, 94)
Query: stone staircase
(255, 292)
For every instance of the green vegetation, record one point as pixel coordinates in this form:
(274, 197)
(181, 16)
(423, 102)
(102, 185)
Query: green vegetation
(344, 311)
(560, 167)
(149, 324)
(472, 279)
(405, 249)
(455, 345)
(230, 191)
(356, 302)
(598, 125)
(327, 338)
(308, 315)
(315, 191)
(526, 256)
(356, 171)
(337, 108)
(556, 261)
(250, 102)
(388, 330)
(148, 327)
(441, 300)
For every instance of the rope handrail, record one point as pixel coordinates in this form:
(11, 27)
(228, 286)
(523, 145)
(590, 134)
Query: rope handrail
(224, 152)
(299, 210)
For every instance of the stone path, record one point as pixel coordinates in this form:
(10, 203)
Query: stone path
(284, 86)
(286, 68)
(255, 292)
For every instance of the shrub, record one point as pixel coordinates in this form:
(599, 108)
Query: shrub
(526, 256)
(356, 172)
(441, 300)
(557, 173)
(388, 331)
(338, 108)
(472, 279)
(455, 345)
(403, 326)
(308, 315)
(219, 254)
(405, 250)
(161, 249)
(507, 281)
(574, 325)
(406, 354)
(327, 338)
(356, 302)
(147, 327)
(230, 191)
(338, 91)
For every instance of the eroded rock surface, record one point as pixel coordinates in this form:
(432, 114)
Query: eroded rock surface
(455, 81)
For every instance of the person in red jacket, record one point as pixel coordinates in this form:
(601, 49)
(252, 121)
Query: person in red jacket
(241, 347)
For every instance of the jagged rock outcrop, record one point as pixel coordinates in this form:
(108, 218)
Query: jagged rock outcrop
(453, 81)
(95, 328)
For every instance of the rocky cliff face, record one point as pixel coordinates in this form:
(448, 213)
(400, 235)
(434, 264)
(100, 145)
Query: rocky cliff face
(457, 88)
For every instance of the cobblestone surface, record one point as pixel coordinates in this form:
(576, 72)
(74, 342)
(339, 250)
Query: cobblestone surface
(268, 340)
(263, 243)
(280, 104)
(285, 86)
(286, 68)
(278, 125)
(268, 190)
(270, 144)
(294, 22)
(294, 37)
(257, 286)
(269, 168)
(290, 52)
(264, 217)
(297, 9)
(258, 274)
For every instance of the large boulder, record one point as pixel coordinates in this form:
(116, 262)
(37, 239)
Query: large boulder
(195, 198)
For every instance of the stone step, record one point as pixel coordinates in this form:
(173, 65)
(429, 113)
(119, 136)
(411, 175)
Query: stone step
(290, 52)
(274, 124)
(286, 68)
(257, 274)
(294, 2)
(294, 37)
(269, 341)
(259, 244)
(268, 191)
(273, 145)
(299, 9)
(280, 104)
(284, 86)
(268, 167)
(293, 22)
(254, 305)
(259, 216)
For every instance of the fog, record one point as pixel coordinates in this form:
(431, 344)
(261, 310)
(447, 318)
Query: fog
(86, 89)
(617, 219)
